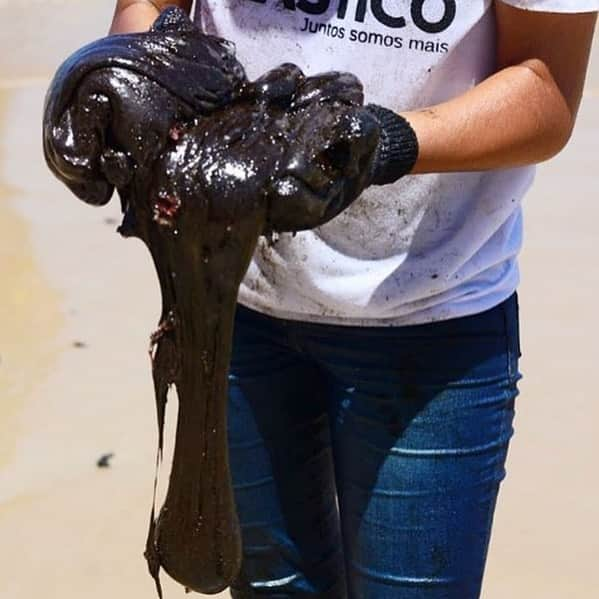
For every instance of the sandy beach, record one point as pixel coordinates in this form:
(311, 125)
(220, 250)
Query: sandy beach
(78, 304)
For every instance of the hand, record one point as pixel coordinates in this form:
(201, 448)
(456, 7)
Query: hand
(329, 143)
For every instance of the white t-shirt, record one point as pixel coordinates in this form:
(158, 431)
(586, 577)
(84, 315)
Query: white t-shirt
(429, 247)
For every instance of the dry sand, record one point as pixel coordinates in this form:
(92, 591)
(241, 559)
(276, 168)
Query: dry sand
(69, 529)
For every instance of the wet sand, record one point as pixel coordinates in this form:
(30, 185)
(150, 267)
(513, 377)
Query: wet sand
(69, 529)
(21, 321)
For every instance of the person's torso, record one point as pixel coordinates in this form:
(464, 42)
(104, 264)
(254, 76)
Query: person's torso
(428, 247)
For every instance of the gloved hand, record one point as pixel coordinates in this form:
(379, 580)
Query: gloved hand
(335, 146)
(328, 143)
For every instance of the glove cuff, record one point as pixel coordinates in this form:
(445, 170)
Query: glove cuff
(397, 151)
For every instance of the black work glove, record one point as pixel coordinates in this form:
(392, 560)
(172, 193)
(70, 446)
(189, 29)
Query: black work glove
(328, 142)
(339, 147)
(397, 149)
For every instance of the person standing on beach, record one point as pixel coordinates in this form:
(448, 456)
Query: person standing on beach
(375, 359)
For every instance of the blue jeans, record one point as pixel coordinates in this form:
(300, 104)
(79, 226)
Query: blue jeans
(366, 461)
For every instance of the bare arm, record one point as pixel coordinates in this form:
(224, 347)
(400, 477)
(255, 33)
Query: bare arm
(525, 112)
(137, 15)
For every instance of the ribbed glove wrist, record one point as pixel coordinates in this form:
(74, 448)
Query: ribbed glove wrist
(397, 151)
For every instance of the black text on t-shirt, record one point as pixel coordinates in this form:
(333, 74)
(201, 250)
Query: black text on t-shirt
(360, 8)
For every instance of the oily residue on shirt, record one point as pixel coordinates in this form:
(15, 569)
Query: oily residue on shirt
(204, 162)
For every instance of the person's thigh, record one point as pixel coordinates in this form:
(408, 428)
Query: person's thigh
(421, 421)
(281, 464)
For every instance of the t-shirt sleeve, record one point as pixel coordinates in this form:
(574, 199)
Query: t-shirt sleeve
(570, 6)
